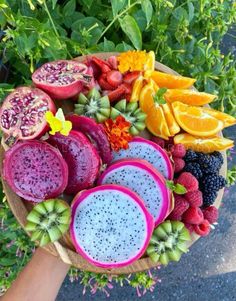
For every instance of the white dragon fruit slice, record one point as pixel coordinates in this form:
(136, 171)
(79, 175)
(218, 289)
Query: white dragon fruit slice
(144, 149)
(141, 177)
(110, 226)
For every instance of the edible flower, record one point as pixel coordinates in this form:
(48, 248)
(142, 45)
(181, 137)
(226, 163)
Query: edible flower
(136, 60)
(118, 133)
(58, 123)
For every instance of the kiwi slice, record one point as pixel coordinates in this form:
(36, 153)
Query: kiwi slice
(48, 221)
(168, 242)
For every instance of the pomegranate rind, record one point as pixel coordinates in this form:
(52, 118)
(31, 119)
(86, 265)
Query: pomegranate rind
(61, 91)
(81, 157)
(42, 126)
(8, 170)
(83, 195)
(95, 132)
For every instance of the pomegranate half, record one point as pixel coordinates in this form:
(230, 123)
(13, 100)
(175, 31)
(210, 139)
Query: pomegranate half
(22, 114)
(62, 79)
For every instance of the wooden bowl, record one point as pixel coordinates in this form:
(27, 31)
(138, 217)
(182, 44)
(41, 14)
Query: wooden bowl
(64, 248)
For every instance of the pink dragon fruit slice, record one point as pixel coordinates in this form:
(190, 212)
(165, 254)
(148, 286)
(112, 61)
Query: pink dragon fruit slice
(82, 159)
(144, 149)
(35, 170)
(146, 181)
(110, 226)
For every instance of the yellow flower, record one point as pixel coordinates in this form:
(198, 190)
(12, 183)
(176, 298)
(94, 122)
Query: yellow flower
(58, 123)
(135, 60)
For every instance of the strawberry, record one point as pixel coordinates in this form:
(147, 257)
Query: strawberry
(112, 60)
(128, 88)
(203, 229)
(114, 78)
(103, 65)
(104, 84)
(116, 94)
(193, 216)
(130, 77)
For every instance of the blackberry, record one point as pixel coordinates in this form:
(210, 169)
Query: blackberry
(209, 198)
(190, 156)
(212, 182)
(218, 157)
(194, 168)
(209, 164)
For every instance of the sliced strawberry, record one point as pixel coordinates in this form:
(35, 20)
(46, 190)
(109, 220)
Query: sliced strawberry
(104, 84)
(112, 60)
(127, 87)
(103, 65)
(127, 97)
(114, 78)
(117, 94)
(130, 77)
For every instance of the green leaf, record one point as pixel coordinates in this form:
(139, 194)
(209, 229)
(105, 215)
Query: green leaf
(148, 10)
(117, 5)
(159, 96)
(54, 2)
(180, 14)
(7, 261)
(180, 189)
(190, 11)
(131, 29)
(69, 8)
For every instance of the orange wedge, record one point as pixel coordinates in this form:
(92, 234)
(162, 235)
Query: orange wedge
(170, 81)
(189, 97)
(196, 120)
(150, 63)
(156, 123)
(136, 90)
(171, 122)
(227, 119)
(206, 145)
(146, 96)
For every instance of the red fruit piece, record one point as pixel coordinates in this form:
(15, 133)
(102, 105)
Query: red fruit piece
(159, 141)
(103, 65)
(112, 60)
(114, 78)
(116, 94)
(211, 214)
(169, 143)
(178, 150)
(188, 181)
(178, 164)
(190, 227)
(104, 84)
(203, 229)
(193, 216)
(194, 198)
(181, 205)
(130, 77)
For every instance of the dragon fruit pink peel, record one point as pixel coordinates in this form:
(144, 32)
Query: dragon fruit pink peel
(82, 159)
(110, 226)
(141, 148)
(35, 170)
(143, 179)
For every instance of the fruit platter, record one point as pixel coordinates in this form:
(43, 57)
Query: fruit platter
(113, 161)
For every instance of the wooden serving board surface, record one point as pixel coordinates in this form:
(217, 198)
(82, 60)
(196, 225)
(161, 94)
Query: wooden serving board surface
(65, 248)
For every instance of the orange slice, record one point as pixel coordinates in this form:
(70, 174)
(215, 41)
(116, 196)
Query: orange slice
(189, 97)
(146, 96)
(170, 81)
(156, 123)
(150, 64)
(226, 118)
(136, 90)
(206, 145)
(171, 122)
(196, 120)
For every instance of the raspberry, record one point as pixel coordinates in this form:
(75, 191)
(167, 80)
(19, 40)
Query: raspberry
(188, 181)
(193, 216)
(194, 198)
(211, 214)
(178, 164)
(181, 205)
(159, 141)
(203, 229)
(178, 150)
(190, 227)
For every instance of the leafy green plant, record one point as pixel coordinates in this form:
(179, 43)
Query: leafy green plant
(185, 35)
